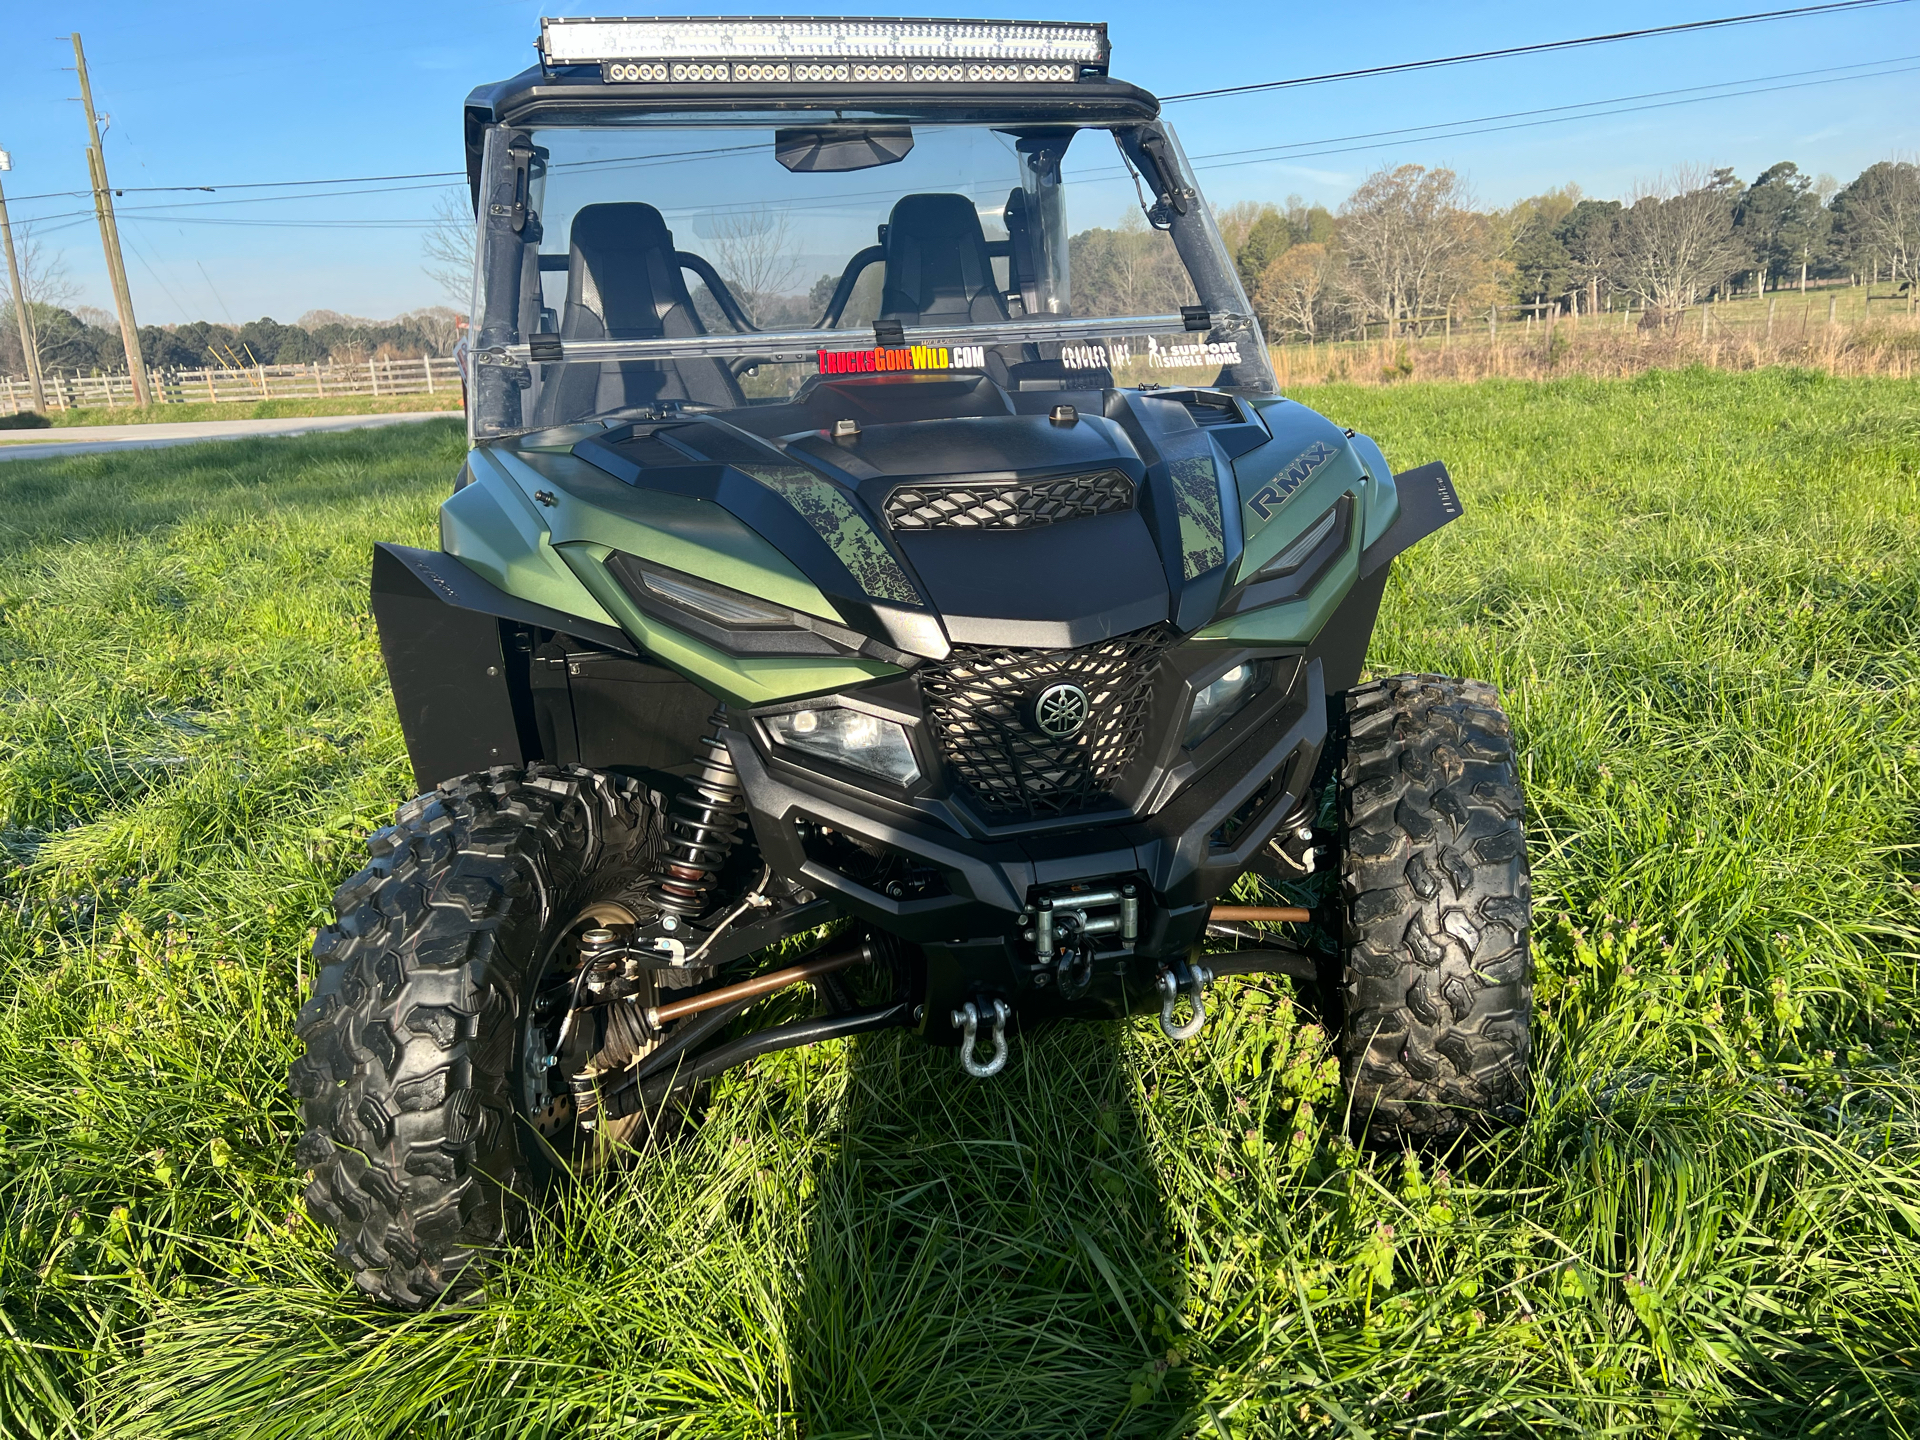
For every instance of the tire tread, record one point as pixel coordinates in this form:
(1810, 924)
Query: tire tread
(1437, 988)
(404, 1090)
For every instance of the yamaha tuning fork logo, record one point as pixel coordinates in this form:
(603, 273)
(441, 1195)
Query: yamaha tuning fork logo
(1060, 711)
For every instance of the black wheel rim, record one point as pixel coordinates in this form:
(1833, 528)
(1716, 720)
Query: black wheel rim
(552, 1068)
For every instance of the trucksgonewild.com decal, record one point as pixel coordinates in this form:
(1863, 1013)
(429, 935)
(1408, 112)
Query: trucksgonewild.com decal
(912, 357)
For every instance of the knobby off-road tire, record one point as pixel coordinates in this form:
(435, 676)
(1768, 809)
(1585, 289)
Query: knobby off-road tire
(1437, 984)
(412, 1089)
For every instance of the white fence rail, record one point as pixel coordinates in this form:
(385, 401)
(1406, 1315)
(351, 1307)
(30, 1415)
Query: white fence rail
(426, 376)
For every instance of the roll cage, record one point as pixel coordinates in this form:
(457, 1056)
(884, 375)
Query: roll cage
(512, 351)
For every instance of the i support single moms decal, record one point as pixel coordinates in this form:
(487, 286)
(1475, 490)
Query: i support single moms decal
(1157, 355)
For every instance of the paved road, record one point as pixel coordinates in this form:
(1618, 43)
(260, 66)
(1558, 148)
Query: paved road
(88, 439)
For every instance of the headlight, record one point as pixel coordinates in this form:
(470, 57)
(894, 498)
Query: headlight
(717, 603)
(1226, 698)
(731, 620)
(720, 605)
(850, 738)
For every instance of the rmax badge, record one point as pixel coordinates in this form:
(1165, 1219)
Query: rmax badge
(1290, 479)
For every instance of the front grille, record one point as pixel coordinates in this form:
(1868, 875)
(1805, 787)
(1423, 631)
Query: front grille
(981, 700)
(1018, 506)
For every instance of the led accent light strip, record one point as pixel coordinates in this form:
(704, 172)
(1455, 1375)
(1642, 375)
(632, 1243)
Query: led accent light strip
(687, 72)
(801, 49)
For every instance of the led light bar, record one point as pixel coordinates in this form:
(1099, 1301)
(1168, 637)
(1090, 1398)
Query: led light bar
(811, 51)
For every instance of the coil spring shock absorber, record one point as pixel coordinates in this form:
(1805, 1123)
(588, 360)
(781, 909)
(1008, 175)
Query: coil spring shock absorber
(703, 825)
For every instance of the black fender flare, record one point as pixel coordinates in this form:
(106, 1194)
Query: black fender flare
(1427, 501)
(455, 649)
(483, 678)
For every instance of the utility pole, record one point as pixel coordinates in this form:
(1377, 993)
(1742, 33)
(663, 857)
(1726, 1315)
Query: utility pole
(110, 234)
(22, 316)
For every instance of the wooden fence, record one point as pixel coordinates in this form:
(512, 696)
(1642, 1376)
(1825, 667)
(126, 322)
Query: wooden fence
(426, 376)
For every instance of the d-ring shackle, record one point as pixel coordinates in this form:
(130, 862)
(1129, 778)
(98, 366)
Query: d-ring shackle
(1173, 979)
(967, 1020)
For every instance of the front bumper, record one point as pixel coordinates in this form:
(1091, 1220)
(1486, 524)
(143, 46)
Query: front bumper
(968, 901)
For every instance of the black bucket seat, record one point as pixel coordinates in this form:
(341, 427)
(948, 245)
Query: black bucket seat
(937, 265)
(624, 283)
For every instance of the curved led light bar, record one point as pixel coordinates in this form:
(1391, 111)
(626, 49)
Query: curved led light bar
(804, 50)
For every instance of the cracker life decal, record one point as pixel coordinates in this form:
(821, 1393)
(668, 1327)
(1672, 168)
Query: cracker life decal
(1196, 491)
(1106, 354)
(1268, 497)
(823, 506)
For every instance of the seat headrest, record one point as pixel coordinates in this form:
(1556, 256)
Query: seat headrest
(622, 280)
(937, 262)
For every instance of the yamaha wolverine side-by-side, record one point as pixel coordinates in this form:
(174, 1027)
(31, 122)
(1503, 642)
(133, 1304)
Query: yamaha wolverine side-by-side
(984, 609)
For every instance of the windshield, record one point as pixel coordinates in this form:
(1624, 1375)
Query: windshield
(709, 265)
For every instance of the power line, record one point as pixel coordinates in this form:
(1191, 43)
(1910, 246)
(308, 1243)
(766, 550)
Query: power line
(251, 185)
(1563, 119)
(151, 269)
(166, 211)
(1330, 77)
(1544, 46)
(284, 224)
(1228, 159)
(617, 162)
(611, 163)
(1562, 114)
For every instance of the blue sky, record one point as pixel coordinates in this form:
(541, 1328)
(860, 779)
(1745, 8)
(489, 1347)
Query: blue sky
(227, 93)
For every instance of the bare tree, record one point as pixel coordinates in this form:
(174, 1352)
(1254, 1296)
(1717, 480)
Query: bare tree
(43, 272)
(13, 355)
(439, 326)
(1294, 291)
(1236, 221)
(1676, 239)
(47, 286)
(1412, 243)
(1131, 269)
(449, 247)
(753, 251)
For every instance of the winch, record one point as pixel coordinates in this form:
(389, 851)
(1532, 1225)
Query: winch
(1075, 927)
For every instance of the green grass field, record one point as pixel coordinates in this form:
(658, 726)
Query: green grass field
(444, 399)
(1697, 591)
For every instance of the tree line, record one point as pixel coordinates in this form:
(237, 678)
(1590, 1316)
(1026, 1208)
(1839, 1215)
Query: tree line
(84, 340)
(1409, 251)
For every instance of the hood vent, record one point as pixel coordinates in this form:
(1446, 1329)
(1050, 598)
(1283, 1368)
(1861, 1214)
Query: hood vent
(1209, 409)
(1020, 505)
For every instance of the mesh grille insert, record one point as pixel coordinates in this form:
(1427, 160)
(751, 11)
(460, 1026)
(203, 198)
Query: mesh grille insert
(980, 701)
(1019, 505)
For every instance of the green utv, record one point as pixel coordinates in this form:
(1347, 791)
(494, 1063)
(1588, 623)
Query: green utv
(985, 603)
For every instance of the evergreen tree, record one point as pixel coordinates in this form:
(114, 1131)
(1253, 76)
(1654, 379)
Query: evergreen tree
(1783, 224)
(1266, 242)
